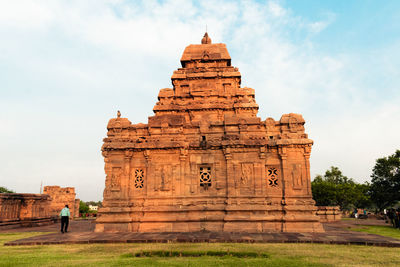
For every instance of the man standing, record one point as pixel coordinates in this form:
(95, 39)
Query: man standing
(64, 214)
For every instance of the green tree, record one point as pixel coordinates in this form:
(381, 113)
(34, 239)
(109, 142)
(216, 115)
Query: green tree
(385, 183)
(335, 176)
(335, 189)
(83, 208)
(363, 199)
(5, 190)
(323, 192)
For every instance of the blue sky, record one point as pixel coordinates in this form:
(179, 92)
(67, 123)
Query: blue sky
(356, 25)
(66, 67)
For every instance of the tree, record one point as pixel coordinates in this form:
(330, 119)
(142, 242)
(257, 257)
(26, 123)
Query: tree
(335, 189)
(385, 183)
(5, 190)
(83, 208)
(323, 192)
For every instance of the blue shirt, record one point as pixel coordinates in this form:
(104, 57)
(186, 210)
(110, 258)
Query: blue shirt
(65, 212)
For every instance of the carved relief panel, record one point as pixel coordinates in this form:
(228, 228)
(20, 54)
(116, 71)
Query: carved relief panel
(116, 175)
(165, 176)
(246, 178)
(296, 174)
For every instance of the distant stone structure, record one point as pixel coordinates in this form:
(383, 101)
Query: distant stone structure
(76, 211)
(93, 208)
(205, 161)
(329, 213)
(59, 197)
(24, 210)
(20, 210)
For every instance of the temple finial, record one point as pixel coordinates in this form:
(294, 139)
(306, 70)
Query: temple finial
(206, 39)
(118, 114)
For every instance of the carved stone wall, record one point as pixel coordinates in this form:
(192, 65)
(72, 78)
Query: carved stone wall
(61, 196)
(24, 210)
(329, 213)
(205, 161)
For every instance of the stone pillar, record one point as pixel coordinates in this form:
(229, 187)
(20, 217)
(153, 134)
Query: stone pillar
(258, 178)
(285, 172)
(148, 172)
(229, 173)
(125, 180)
(182, 172)
(307, 153)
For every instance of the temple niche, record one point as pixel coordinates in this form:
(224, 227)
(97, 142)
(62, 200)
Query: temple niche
(205, 161)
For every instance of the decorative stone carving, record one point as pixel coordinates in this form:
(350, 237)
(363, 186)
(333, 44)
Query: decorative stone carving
(205, 177)
(272, 177)
(139, 178)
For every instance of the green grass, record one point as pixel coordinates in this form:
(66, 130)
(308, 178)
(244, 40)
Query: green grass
(222, 254)
(6, 237)
(347, 219)
(216, 253)
(378, 230)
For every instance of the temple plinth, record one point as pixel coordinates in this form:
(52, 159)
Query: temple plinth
(205, 161)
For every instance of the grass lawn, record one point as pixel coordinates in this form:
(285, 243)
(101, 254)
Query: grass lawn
(378, 230)
(347, 219)
(123, 254)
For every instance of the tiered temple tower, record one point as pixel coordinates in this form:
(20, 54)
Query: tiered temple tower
(205, 161)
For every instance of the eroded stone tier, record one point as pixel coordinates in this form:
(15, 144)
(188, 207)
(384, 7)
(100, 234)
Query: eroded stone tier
(205, 161)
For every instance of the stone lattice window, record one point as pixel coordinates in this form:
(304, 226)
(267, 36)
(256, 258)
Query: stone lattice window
(205, 177)
(272, 176)
(139, 178)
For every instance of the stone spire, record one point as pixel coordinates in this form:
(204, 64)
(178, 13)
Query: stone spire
(206, 39)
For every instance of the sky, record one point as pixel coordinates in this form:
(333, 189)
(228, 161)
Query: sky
(66, 67)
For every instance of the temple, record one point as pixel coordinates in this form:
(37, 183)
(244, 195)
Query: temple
(205, 161)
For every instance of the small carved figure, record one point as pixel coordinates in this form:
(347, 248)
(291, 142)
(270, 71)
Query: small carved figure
(296, 175)
(165, 178)
(246, 174)
(116, 179)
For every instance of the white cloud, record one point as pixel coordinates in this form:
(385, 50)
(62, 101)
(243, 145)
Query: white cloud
(24, 14)
(276, 9)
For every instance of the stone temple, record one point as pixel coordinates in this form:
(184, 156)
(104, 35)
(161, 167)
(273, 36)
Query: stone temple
(205, 161)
